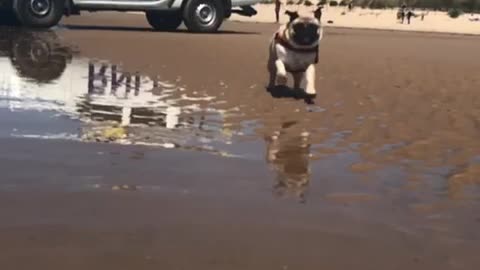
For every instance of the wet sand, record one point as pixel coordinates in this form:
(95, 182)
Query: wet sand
(379, 174)
(53, 216)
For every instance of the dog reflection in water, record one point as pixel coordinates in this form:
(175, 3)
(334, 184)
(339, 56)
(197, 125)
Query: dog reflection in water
(289, 158)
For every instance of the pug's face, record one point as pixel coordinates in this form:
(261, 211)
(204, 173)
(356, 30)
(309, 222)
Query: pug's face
(304, 30)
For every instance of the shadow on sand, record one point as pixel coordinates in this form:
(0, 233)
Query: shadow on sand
(145, 29)
(288, 92)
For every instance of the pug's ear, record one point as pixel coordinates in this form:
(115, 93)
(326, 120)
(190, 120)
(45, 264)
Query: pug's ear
(292, 14)
(318, 12)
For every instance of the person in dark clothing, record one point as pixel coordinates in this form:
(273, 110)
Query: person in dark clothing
(318, 13)
(278, 4)
(401, 13)
(409, 15)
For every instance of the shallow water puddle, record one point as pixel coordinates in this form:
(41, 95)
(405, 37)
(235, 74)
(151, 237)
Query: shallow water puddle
(46, 91)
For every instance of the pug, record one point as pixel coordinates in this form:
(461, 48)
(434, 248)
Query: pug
(294, 49)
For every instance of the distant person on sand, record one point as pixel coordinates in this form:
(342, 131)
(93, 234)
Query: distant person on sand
(422, 16)
(278, 4)
(401, 13)
(320, 8)
(350, 6)
(409, 15)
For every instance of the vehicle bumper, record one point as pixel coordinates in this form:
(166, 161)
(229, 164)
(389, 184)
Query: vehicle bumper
(247, 11)
(239, 3)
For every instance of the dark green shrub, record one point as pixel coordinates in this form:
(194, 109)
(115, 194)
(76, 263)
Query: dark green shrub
(377, 4)
(454, 13)
(308, 3)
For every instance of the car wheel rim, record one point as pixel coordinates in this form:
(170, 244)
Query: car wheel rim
(39, 52)
(40, 7)
(206, 14)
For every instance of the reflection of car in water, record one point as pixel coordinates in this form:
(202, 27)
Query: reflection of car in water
(40, 74)
(37, 56)
(30, 63)
(198, 15)
(289, 157)
(37, 68)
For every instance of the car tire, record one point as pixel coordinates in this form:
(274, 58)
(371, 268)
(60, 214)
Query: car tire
(203, 16)
(164, 21)
(7, 17)
(39, 13)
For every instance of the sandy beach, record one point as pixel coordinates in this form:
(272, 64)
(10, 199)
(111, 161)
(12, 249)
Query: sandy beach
(217, 173)
(374, 19)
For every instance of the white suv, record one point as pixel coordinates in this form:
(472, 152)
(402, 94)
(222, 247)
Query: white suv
(164, 15)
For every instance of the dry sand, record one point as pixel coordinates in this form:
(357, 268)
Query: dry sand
(375, 19)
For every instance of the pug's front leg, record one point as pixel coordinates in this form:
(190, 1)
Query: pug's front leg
(310, 81)
(281, 73)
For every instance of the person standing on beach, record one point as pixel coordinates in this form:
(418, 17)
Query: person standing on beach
(320, 8)
(401, 13)
(278, 4)
(409, 15)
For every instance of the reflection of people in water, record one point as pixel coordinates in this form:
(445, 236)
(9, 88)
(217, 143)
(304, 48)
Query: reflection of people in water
(125, 98)
(289, 157)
